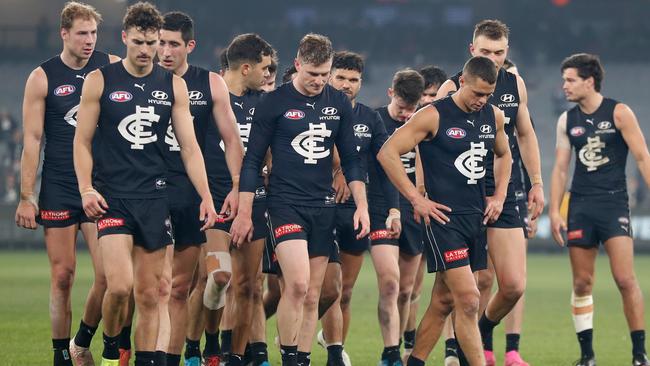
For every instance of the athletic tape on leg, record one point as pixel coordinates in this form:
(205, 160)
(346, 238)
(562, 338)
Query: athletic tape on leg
(582, 312)
(214, 297)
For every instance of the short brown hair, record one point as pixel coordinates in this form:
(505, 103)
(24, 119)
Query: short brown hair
(492, 29)
(144, 16)
(481, 67)
(74, 10)
(408, 85)
(587, 66)
(315, 49)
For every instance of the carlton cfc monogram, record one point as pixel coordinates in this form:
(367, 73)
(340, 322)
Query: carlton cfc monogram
(132, 127)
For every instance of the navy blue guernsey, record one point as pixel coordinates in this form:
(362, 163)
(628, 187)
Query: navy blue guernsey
(506, 98)
(215, 157)
(408, 159)
(133, 122)
(370, 135)
(61, 105)
(455, 159)
(179, 186)
(600, 149)
(301, 132)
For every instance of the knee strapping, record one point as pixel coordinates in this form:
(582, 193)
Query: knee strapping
(214, 296)
(582, 308)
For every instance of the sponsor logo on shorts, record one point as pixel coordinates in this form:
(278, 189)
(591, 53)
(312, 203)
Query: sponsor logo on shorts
(120, 96)
(456, 255)
(294, 114)
(221, 218)
(577, 131)
(109, 222)
(55, 215)
(575, 234)
(379, 234)
(456, 133)
(623, 220)
(286, 229)
(63, 90)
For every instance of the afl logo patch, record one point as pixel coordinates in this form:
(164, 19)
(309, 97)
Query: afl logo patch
(577, 131)
(329, 111)
(63, 90)
(507, 98)
(158, 94)
(456, 133)
(294, 114)
(604, 125)
(120, 96)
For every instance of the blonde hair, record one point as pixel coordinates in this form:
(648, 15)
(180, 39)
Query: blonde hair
(74, 10)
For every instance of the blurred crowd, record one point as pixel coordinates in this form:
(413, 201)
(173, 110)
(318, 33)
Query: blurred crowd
(11, 140)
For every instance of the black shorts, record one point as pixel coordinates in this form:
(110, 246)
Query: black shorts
(411, 238)
(60, 204)
(378, 232)
(269, 259)
(313, 224)
(147, 220)
(461, 242)
(595, 219)
(522, 207)
(346, 236)
(511, 216)
(335, 255)
(187, 226)
(258, 216)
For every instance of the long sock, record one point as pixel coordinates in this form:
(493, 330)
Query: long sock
(61, 352)
(111, 347)
(161, 358)
(486, 326)
(638, 342)
(391, 354)
(585, 338)
(173, 360)
(512, 342)
(212, 347)
(259, 352)
(226, 342)
(289, 355)
(412, 361)
(125, 337)
(145, 358)
(84, 335)
(192, 348)
(335, 354)
(451, 347)
(304, 358)
(235, 360)
(409, 339)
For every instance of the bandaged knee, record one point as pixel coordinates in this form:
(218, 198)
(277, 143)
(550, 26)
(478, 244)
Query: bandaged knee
(582, 309)
(214, 297)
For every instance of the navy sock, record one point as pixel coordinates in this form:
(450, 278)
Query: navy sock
(391, 354)
(161, 358)
(61, 352)
(289, 355)
(585, 338)
(111, 347)
(259, 352)
(409, 338)
(84, 335)
(451, 347)
(638, 342)
(304, 358)
(192, 348)
(226, 342)
(212, 347)
(173, 360)
(512, 342)
(125, 338)
(412, 361)
(145, 358)
(486, 326)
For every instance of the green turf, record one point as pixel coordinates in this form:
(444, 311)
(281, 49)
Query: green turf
(548, 337)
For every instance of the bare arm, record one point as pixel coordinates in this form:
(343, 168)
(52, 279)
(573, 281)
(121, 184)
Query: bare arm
(447, 87)
(529, 147)
(502, 170)
(227, 125)
(626, 121)
(33, 125)
(114, 58)
(559, 179)
(419, 173)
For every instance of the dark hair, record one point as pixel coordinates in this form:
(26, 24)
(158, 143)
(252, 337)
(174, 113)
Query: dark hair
(508, 64)
(587, 65)
(408, 84)
(288, 74)
(347, 60)
(177, 21)
(481, 67)
(433, 75)
(247, 48)
(492, 29)
(315, 49)
(75, 10)
(144, 16)
(223, 59)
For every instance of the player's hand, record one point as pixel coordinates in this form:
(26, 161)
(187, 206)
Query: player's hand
(531, 228)
(26, 213)
(242, 229)
(536, 201)
(558, 227)
(493, 208)
(394, 223)
(230, 205)
(425, 209)
(207, 214)
(361, 222)
(94, 204)
(341, 188)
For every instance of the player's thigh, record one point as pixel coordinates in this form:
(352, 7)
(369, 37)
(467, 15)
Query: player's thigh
(246, 260)
(583, 262)
(386, 261)
(116, 256)
(60, 244)
(293, 258)
(507, 249)
(620, 250)
(89, 232)
(350, 267)
(217, 241)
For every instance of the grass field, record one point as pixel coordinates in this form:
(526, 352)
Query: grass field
(548, 337)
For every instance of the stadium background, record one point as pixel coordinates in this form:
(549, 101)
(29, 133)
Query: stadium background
(391, 34)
